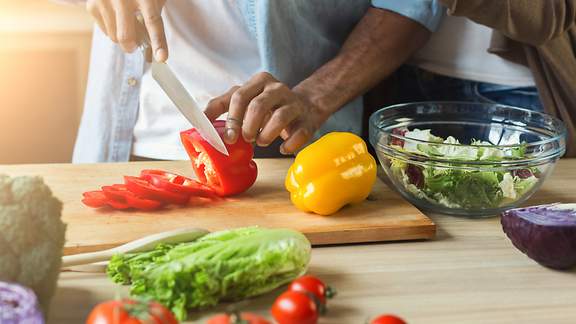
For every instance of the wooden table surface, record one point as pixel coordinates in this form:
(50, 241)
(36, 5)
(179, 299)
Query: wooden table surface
(470, 273)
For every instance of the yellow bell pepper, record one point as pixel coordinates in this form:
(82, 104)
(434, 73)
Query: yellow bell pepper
(330, 173)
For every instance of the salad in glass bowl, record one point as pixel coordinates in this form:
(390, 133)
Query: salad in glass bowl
(465, 158)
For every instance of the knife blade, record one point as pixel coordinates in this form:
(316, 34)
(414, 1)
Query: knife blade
(187, 105)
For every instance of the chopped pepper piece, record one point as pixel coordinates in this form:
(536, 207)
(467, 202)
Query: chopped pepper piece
(330, 173)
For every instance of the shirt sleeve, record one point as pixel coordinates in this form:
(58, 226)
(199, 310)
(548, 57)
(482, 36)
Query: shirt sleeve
(426, 12)
(533, 22)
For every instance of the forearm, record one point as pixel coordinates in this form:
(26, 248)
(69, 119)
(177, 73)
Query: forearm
(379, 44)
(529, 21)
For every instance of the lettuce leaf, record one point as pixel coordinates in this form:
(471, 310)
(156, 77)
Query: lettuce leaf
(221, 266)
(462, 188)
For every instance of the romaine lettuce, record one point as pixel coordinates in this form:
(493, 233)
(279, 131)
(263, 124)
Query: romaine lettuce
(221, 266)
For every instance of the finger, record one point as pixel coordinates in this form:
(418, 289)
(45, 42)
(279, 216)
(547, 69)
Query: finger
(99, 22)
(284, 134)
(151, 12)
(94, 11)
(148, 55)
(298, 139)
(109, 19)
(280, 119)
(257, 110)
(125, 26)
(219, 105)
(239, 103)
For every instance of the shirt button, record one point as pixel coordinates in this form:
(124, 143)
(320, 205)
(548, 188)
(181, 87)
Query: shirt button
(132, 82)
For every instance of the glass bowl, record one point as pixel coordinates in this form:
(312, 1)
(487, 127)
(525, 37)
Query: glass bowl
(466, 159)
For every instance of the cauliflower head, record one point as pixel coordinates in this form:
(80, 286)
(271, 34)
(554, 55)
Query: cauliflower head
(31, 235)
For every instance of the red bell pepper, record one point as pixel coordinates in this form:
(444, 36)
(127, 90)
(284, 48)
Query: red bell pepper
(226, 175)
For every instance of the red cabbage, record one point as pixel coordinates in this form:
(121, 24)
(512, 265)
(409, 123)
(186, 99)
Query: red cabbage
(546, 233)
(18, 305)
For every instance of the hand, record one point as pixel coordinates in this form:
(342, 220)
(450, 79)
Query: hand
(117, 19)
(263, 109)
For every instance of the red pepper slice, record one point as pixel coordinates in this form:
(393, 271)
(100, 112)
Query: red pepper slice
(176, 183)
(94, 199)
(226, 175)
(145, 189)
(97, 199)
(120, 194)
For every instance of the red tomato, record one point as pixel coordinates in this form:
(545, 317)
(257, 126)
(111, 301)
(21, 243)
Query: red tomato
(130, 312)
(120, 194)
(387, 319)
(246, 318)
(227, 175)
(314, 286)
(294, 307)
(176, 183)
(144, 189)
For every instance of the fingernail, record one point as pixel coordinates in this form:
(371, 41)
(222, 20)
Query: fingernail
(249, 139)
(161, 55)
(283, 150)
(230, 135)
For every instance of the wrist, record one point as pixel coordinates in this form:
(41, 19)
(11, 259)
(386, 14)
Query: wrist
(318, 100)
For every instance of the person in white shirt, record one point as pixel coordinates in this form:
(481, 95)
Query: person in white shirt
(290, 69)
(455, 65)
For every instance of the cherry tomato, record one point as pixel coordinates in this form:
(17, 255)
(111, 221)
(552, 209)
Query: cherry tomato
(314, 286)
(120, 194)
(245, 318)
(130, 312)
(177, 183)
(387, 319)
(294, 307)
(144, 189)
(226, 175)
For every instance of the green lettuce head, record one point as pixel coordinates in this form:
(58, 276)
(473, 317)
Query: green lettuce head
(221, 266)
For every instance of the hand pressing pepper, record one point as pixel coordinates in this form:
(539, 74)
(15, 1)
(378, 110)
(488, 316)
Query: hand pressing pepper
(330, 173)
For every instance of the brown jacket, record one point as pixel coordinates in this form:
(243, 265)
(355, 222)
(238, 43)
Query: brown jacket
(540, 34)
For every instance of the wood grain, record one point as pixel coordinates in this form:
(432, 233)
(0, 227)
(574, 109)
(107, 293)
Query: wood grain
(384, 217)
(469, 274)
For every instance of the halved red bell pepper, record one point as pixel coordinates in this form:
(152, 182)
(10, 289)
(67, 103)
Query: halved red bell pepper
(226, 175)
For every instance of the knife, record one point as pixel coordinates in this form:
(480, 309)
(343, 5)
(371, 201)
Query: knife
(164, 76)
(187, 105)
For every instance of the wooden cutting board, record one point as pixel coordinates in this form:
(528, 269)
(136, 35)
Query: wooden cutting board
(385, 216)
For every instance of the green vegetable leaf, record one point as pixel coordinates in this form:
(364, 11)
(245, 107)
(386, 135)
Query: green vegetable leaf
(221, 266)
(462, 188)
